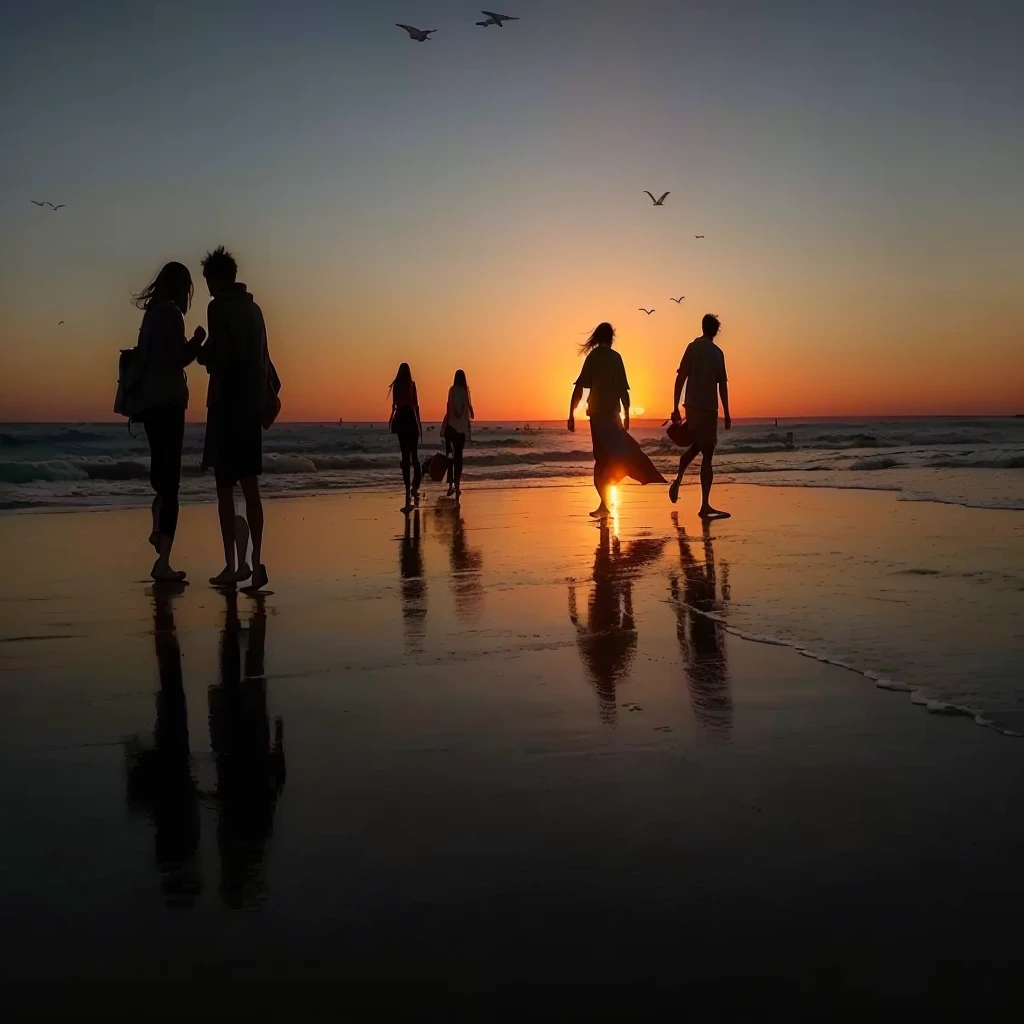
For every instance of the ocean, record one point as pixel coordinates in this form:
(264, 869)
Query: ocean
(977, 462)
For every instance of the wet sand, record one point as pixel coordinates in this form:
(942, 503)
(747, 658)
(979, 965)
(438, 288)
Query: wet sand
(513, 752)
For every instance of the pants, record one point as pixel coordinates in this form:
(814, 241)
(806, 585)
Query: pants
(165, 431)
(457, 442)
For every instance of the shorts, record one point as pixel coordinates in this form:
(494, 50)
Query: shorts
(703, 427)
(234, 444)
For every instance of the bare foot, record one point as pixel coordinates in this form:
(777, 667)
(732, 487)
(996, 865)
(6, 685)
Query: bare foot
(243, 574)
(601, 512)
(225, 578)
(165, 574)
(707, 512)
(673, 491)
(259, 579)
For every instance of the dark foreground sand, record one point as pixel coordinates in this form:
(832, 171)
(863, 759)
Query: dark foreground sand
(513, 755)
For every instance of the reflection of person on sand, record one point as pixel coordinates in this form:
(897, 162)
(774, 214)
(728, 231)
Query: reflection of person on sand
(616, 454)
(702, 370)
(250, 768)
(159, 778)
(466, 562)
(414, 584)
(607, 643)
(701, 641)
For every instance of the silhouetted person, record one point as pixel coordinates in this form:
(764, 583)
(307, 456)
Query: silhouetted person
(413, 583)
(159, 778)
(457, 428)
(702, 370)
(238, 359)
(607, 643)
(405, 423)
(158, 396)
(250, 767)
(616, 454)
(466, 562)
(701, 640)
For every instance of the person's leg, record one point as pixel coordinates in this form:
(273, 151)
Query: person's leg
(403, 441)
(601, 486)
(449, 451)
(226, 515)
(417, 469)
(684, 461)
(458, 444)
(164, 433)
(254, 514)
(707, 477)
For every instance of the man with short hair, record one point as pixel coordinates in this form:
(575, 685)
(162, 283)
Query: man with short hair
(238, 360)
(702, 370)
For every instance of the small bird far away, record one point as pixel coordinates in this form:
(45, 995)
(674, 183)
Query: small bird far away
(647, 311)
(677, 301)
(59, 322)
(496, 19)
(698, 236)
(50, 205)
(657, 202)
(418, 34)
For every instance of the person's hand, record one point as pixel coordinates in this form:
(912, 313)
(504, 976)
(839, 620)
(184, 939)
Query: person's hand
(625, 422)
(571, 424)
(728, 423)
(199, 335)
(675, 417)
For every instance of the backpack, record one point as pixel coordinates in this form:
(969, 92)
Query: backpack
(130, 398)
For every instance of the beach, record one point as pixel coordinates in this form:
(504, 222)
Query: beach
(518, 749)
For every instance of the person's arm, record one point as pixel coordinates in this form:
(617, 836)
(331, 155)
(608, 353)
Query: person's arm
(577, 396)
(416, 408)
(193, 346)
(625, 410)
(213, 354)
(391, 418)
(681, 374)
(723, 390)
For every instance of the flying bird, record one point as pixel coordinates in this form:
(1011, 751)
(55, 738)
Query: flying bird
(657, 202)
(59, 322)
(677, 301)
(418, 34)
(496, 19)
(647, 311)
(698, 236)
(50, 205)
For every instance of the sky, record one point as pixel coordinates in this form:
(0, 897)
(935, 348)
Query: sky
(477, 201)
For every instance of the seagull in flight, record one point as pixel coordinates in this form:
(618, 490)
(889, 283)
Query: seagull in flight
(647, 311)
(59, 322)
(698, 236)
(50, 205)
(418, 34)
(677, 301)
(496, 19)
(657, 202)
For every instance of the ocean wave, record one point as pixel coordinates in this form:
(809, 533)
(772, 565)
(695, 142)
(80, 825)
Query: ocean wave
(1001, 462)
(876, 462)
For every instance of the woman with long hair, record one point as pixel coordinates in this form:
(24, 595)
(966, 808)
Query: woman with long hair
(163, 354)
(616, 454)
(405, 422)
(457, 428)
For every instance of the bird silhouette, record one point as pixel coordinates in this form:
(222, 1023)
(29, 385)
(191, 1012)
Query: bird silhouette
(496, 19)
(677, 301)
(657, 202)
(647, 311)
(698, 236)
(50, 205)
(420, 35)
(59, 322)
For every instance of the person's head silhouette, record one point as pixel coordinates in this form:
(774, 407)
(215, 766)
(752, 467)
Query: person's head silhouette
(710, 325)
(220, 270)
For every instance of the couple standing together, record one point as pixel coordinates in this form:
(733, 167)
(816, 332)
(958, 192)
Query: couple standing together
(241, 401)
(616, 453)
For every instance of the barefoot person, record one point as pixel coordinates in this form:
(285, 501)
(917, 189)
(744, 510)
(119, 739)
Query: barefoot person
(702, 370)
(238, 359)
(162, 398)
(457, 427)
(406, 424)
(616, 454)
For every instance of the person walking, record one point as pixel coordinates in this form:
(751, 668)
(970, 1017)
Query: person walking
(237, 356)
(457, 429)
(702, 371)
(616, 453)
(406, 424)
(162, 398)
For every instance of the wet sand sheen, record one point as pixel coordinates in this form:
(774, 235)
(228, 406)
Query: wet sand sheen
(512, 749)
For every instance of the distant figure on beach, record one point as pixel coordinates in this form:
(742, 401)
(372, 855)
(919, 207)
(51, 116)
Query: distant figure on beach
(702, 370)
(457, 428)
(237, 357)
(616, 454)
(406, 424)
(162, 397)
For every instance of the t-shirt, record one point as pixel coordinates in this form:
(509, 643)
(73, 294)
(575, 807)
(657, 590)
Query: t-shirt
(605, 376)
(460, 410)
(704, 365)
